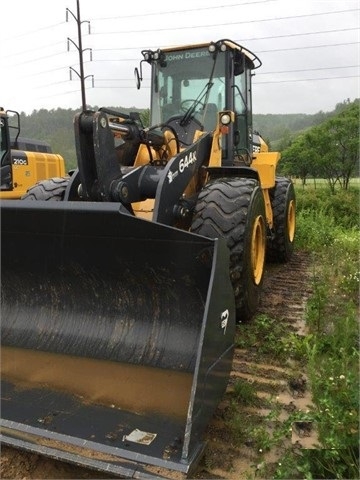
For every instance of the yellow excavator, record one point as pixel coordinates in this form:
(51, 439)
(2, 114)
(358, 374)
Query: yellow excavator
(120, 299)
(23, 161)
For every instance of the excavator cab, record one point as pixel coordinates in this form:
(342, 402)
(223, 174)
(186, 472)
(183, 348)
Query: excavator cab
(5, 161)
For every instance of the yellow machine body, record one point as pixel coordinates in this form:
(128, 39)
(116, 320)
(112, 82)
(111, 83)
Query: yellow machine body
(263, 161)
(23, 162)
(29, 168)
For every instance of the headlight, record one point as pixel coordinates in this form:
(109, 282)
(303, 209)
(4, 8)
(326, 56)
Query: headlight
(225, 119)
(212, 47)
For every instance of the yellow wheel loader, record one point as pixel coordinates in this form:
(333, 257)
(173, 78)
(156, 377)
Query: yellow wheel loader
(120, 299)
(23, 161)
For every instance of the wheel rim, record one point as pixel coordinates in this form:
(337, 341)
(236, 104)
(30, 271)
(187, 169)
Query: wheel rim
(258, 249)
(291, 221)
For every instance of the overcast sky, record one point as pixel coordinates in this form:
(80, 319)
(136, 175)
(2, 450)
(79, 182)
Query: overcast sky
(309, 49)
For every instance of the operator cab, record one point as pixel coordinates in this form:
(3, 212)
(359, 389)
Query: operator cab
(191, 85)
(5, 155)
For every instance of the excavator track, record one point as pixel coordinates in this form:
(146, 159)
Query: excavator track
(285, 292)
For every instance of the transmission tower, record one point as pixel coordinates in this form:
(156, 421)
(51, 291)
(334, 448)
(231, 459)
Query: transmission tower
(81, 50)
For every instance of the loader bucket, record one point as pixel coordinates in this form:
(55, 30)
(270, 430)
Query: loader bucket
(117, 337)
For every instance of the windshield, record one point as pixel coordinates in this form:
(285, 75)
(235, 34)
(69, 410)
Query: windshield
(189, 81)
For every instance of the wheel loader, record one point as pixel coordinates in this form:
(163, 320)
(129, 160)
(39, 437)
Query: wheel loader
(122, 283)
(23, 161)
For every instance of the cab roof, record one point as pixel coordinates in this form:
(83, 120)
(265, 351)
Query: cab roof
(252, 57)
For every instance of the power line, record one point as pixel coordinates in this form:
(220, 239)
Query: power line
(307, 47)
(233, 23)
(31, 50)
(318, 32)
(31, 32)
(260, 73)
(147, 87)
(114, 79)
(307, 70)
(166, 12)
(137, 59)
(48, 27)
(255, 83)
(307, 15)
(64, 93)
(122, 87)
(32, 60)
(127, 87)
(258, 51)
(51, 84)
(265, 73)
(247, 39)
(272, 37)
(44, 72)
(305, 80)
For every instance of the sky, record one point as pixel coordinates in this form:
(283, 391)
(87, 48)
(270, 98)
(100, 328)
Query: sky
(310, 49)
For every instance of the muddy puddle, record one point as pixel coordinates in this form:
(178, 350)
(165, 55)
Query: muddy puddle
(134, 388)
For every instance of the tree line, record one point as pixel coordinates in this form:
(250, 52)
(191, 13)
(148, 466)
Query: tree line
(322, 145)
(329, 150)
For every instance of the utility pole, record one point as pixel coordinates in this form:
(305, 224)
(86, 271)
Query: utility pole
(79, 48)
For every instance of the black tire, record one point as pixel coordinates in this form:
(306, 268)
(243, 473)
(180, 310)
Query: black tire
(234, 209)
(280, 248)
(52, 189)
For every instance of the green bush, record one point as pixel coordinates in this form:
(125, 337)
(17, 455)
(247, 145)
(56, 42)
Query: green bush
(315, 229)
(342, 207)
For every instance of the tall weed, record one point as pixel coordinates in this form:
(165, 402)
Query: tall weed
(328, 227)
(315, 229)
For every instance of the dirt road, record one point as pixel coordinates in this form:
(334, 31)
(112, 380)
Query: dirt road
(286, 289)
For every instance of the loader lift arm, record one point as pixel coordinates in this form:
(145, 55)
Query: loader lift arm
(102, 179)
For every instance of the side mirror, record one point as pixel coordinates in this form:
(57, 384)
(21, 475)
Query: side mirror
(239, 63)
(137, 78)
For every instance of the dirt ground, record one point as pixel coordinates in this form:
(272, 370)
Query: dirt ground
(286, 289)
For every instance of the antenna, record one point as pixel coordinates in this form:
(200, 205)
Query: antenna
(81, 50)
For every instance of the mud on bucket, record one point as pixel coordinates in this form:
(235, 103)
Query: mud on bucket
(117, 337)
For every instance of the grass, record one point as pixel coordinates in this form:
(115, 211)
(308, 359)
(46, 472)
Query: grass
(322, 183)
(328, 228)
(332, 235)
